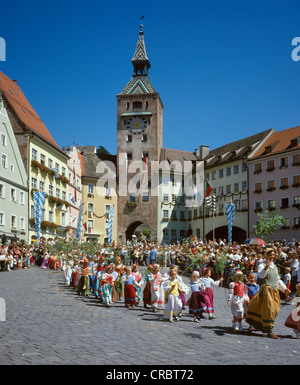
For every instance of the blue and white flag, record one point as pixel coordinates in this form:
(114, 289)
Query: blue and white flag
(38, 204)
(110, 223)
(230, 211)
(79, 223)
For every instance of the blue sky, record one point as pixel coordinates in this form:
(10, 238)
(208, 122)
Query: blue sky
(223, 69)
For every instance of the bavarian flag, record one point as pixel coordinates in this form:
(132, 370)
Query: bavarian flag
(208, 188)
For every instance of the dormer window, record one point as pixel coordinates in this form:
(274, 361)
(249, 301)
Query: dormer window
(268, 149)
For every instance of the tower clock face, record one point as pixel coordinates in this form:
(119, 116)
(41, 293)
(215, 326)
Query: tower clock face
(136, 125)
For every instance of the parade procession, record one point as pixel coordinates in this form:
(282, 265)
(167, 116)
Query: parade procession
(140, 227)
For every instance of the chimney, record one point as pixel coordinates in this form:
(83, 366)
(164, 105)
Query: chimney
(204, 151)
(196, 152)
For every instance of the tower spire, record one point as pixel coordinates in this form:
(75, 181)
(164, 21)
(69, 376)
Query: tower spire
(140, 59)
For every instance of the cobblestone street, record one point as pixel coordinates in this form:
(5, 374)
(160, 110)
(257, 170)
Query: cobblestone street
(47, 323)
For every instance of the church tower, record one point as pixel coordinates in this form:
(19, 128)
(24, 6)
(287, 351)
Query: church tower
(139, 138)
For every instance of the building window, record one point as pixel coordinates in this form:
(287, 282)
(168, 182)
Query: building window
(244, 185)
(50, 163)
(284, 162)
(286, 223)
(13, 221)
(4, 162)
(90, 210)
(51, 216)
(296, 160)
(165, 214)
(297, 222)
(174, 233)
(228, 189)
(236, 169)
(64, 195)
(221, 173)
(213, 175)
(244, 167)
(63, 219)
(22, 223)
(296, 180)
(270, 165)
(57, 193)
(63, 171)
(129, 138)
(284, 183)
(221, 190)
(51, 190)
(2, 190)
(34, 154)
(33, 183)
(166, 233)
(258, 206)
(12, 168)
(145, 197)
(236, 187)
(270, 185)
(258, 187)
(3, 140)
(2, 219)
(257, 168)
(144, 138)
(228, 171)
(166, 197)
(296, 201)
(42, 186)
(57, 167)
(271, 204)
(22, 197)
(43, 159)
(182, 215)
(284, 203)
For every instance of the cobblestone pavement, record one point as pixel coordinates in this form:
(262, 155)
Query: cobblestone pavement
(47, 323)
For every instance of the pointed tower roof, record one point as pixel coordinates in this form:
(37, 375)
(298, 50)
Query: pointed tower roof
(139, 83)
(140, 59)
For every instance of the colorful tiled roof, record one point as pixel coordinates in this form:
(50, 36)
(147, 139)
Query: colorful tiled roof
(24, 111)
(280, 142)
(138, 85)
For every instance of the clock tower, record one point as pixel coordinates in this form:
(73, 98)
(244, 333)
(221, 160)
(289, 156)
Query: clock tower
(139, 138)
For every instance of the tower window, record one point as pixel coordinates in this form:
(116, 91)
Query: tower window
(129, 138)
(144, 138)
(137, 105)
(128, 105)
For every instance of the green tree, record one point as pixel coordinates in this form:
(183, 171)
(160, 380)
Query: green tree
(266, 224)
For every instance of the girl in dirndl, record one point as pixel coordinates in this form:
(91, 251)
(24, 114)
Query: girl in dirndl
(238, 300)
(106, 286)
(147, 291)
(138, 277)
(129, 288)
(197, 305)
(156, 289)
(208, 294)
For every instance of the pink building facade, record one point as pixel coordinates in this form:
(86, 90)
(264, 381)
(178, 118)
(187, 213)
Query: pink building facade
(274, 183)
(74, 189)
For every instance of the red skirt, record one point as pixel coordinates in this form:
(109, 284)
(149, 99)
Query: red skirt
(129, 295)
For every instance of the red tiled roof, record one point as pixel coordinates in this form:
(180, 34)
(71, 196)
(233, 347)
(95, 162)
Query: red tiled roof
(280, 142)
(24, 110)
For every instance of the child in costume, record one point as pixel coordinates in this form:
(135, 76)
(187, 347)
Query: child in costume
(156, 290)
(293, 320)
(172, 298)
(138, 277)
(129, 288)
(147, 288)
(252, 286)
(106, 286)
(197, 303)
(208, 294)
(237, 300)
(287, 277)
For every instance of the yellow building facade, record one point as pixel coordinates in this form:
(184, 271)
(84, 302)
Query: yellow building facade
(47, 172)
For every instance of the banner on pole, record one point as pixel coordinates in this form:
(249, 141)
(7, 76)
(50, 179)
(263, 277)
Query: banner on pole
(230, 211)
(79, 223)
(38, 204)
(110, 223)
